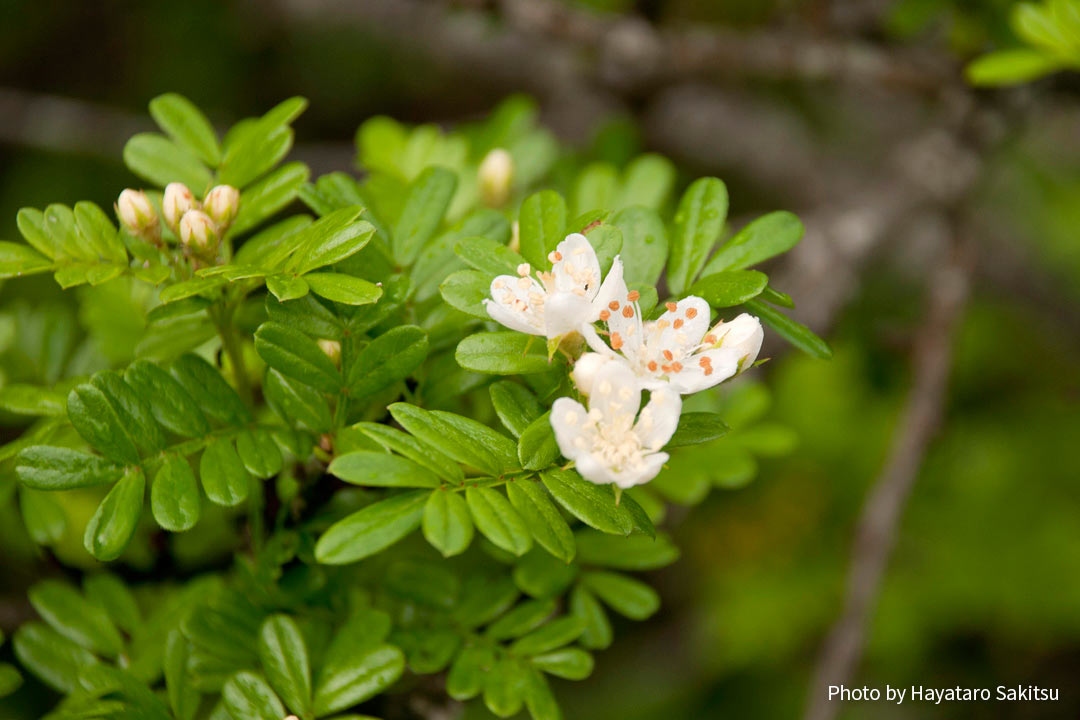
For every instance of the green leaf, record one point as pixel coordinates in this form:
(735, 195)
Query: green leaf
(182, 695)
(555, 634)
(696, 428)
(297, 403)
(504, 688)
(515, 405)
(379, 469)
(371, 529)
(202, 381)
(97, 420)
(287, 287)
(254, 146)
(568, 663)
(31, 400)
(698, 222)
(795, 333)
(771, 295)
(266, 197)
(488, 256)
(466, 677)
(625, 595)
(542, 518)
(172, 406)
(56, 468)
(592, 504)
(285, 661)
(43, 516)
(447, 524)
(342, 288)
(541, 226)
(596, 188)
(82, 622)
(350, 677)
(644, 242)
(109, 592)
(31, 224)
(483, 598)
(647, 182)
(502, 353)
(174, 496)
(259, 453)
(133, 412)
(419, 452)
(18, 260)
(246, 696)
(537, 447)
(460, 438)
(540, 574)
(388, 359)
(764, 238)
(425, 204)
(50, 656)
(606, 240)
(583, 604)
(330, 239)
(97, 229)
(730, 288)
(155, 158)
(466, 291)
(224, 477)
(1012, 67)
(294, 354)
(636, 552)
(187, 126)
(496, 518)
(10, 679)
(114, 522)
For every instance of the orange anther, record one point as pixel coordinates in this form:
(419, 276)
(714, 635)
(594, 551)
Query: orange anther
(676, 366)
(616, 341)
(672, 307)
(614, 304)
(691, 312)
(668, 355)
(677, 324)
(604, 315)
(633, 296)
(652, 366)
(709, 339)
(628, 311)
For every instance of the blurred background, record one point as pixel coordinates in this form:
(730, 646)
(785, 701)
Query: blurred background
(914, 516)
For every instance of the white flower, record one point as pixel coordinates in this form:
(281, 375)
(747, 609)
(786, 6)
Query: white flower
(677, 350)
(611, 442)
(558, 302)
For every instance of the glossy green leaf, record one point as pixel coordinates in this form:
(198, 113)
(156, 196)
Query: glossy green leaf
(389, 358)
(592, 504)
(698, 222)
(568, 663)
(371, 529)
(730, 288)
(284, 659)
(447, 524)
(504, 687)
(425, 204)
(187, 126)
(503, 353)
(294, 354)
(497, 519)
(795, 333)
(174, 495)
(287, 287)
(215, 396)
(542, 226)
(109, 592)
(270, 194)
(647, 182)
(623, 594)
(515, 405)
(57, 468)
(488, 256)
(696, 428)
(69, 613)
(254, 146)
(246, 696)
(342, 288)
(350, 677)
(132, 411)
(458, 437)
(17, 260)
(537, 448)
(223, 475)
(95, 227)
(542, 518)
(172, 406)
(155, 158)
(1012, 67)
(419, 452)
(50, 656)
(466, 291)
(555, 634)
(114, 522)
(466, 677)
(596, 188)
(42, 515)
(330, 239)
(379, 469)
(297, 403)
(644, 244)
(259, 453)
(97, 420)
(584, 605)
(762, 239)
(636, 552)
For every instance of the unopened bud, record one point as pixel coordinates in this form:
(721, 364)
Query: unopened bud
(495, 175)
(176, 201)
(136, 213)
(515, 237)
(332, 348)
(221, 204)
(741, 337)
(198, 233)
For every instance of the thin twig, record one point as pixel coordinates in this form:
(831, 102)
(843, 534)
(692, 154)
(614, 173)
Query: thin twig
(876, 533)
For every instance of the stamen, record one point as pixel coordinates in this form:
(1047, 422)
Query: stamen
(708, 370)
(633, 296)
(672, 307)
(677, 324)
(666, 368)
(498, 285)
(616, 341)
(628, 311)
(676, 366)
(614, 304)
(691, 312)
(604, 315)
(668, 355)
(709, 339)
(652, 366)
(524, 283)
(523, 269)
(558, 256)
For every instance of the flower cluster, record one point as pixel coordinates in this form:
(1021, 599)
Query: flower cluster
(615, 440)
(199, 226)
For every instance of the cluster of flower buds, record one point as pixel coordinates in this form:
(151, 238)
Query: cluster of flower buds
(199, 226)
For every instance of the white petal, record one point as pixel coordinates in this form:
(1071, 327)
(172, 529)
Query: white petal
(694, 377)
(595, 343)
(511, 318)
(613, 287)
(650, 468)
(565, 313)
(658, 419)
(614, 299)
(684, 326)
(586, 370)
(594, 470)
(569, 421)
(615, 394)
(743, 336)
(577, 267)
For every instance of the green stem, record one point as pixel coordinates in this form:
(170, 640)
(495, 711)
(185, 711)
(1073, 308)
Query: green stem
(230, 342)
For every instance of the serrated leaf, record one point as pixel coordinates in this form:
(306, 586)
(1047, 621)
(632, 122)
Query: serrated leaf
(698, 222)
(543, 519)
(68, 612)
(425, 204)
(114, 522)
(155, 158)
(503, 353)
(379, 469)
(387, 359)
(496, 518)
(371, 529)
(174, 495)
(223, 475)
(447, 524)
(294, 354)
(56, 468)
(592, 504)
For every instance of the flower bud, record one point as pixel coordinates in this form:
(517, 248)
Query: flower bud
(741, 336)
(176, 201)
(587, 368)
(495, 175)
(199, 234)
(135, 211)
(332, 349)
(221, 204)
